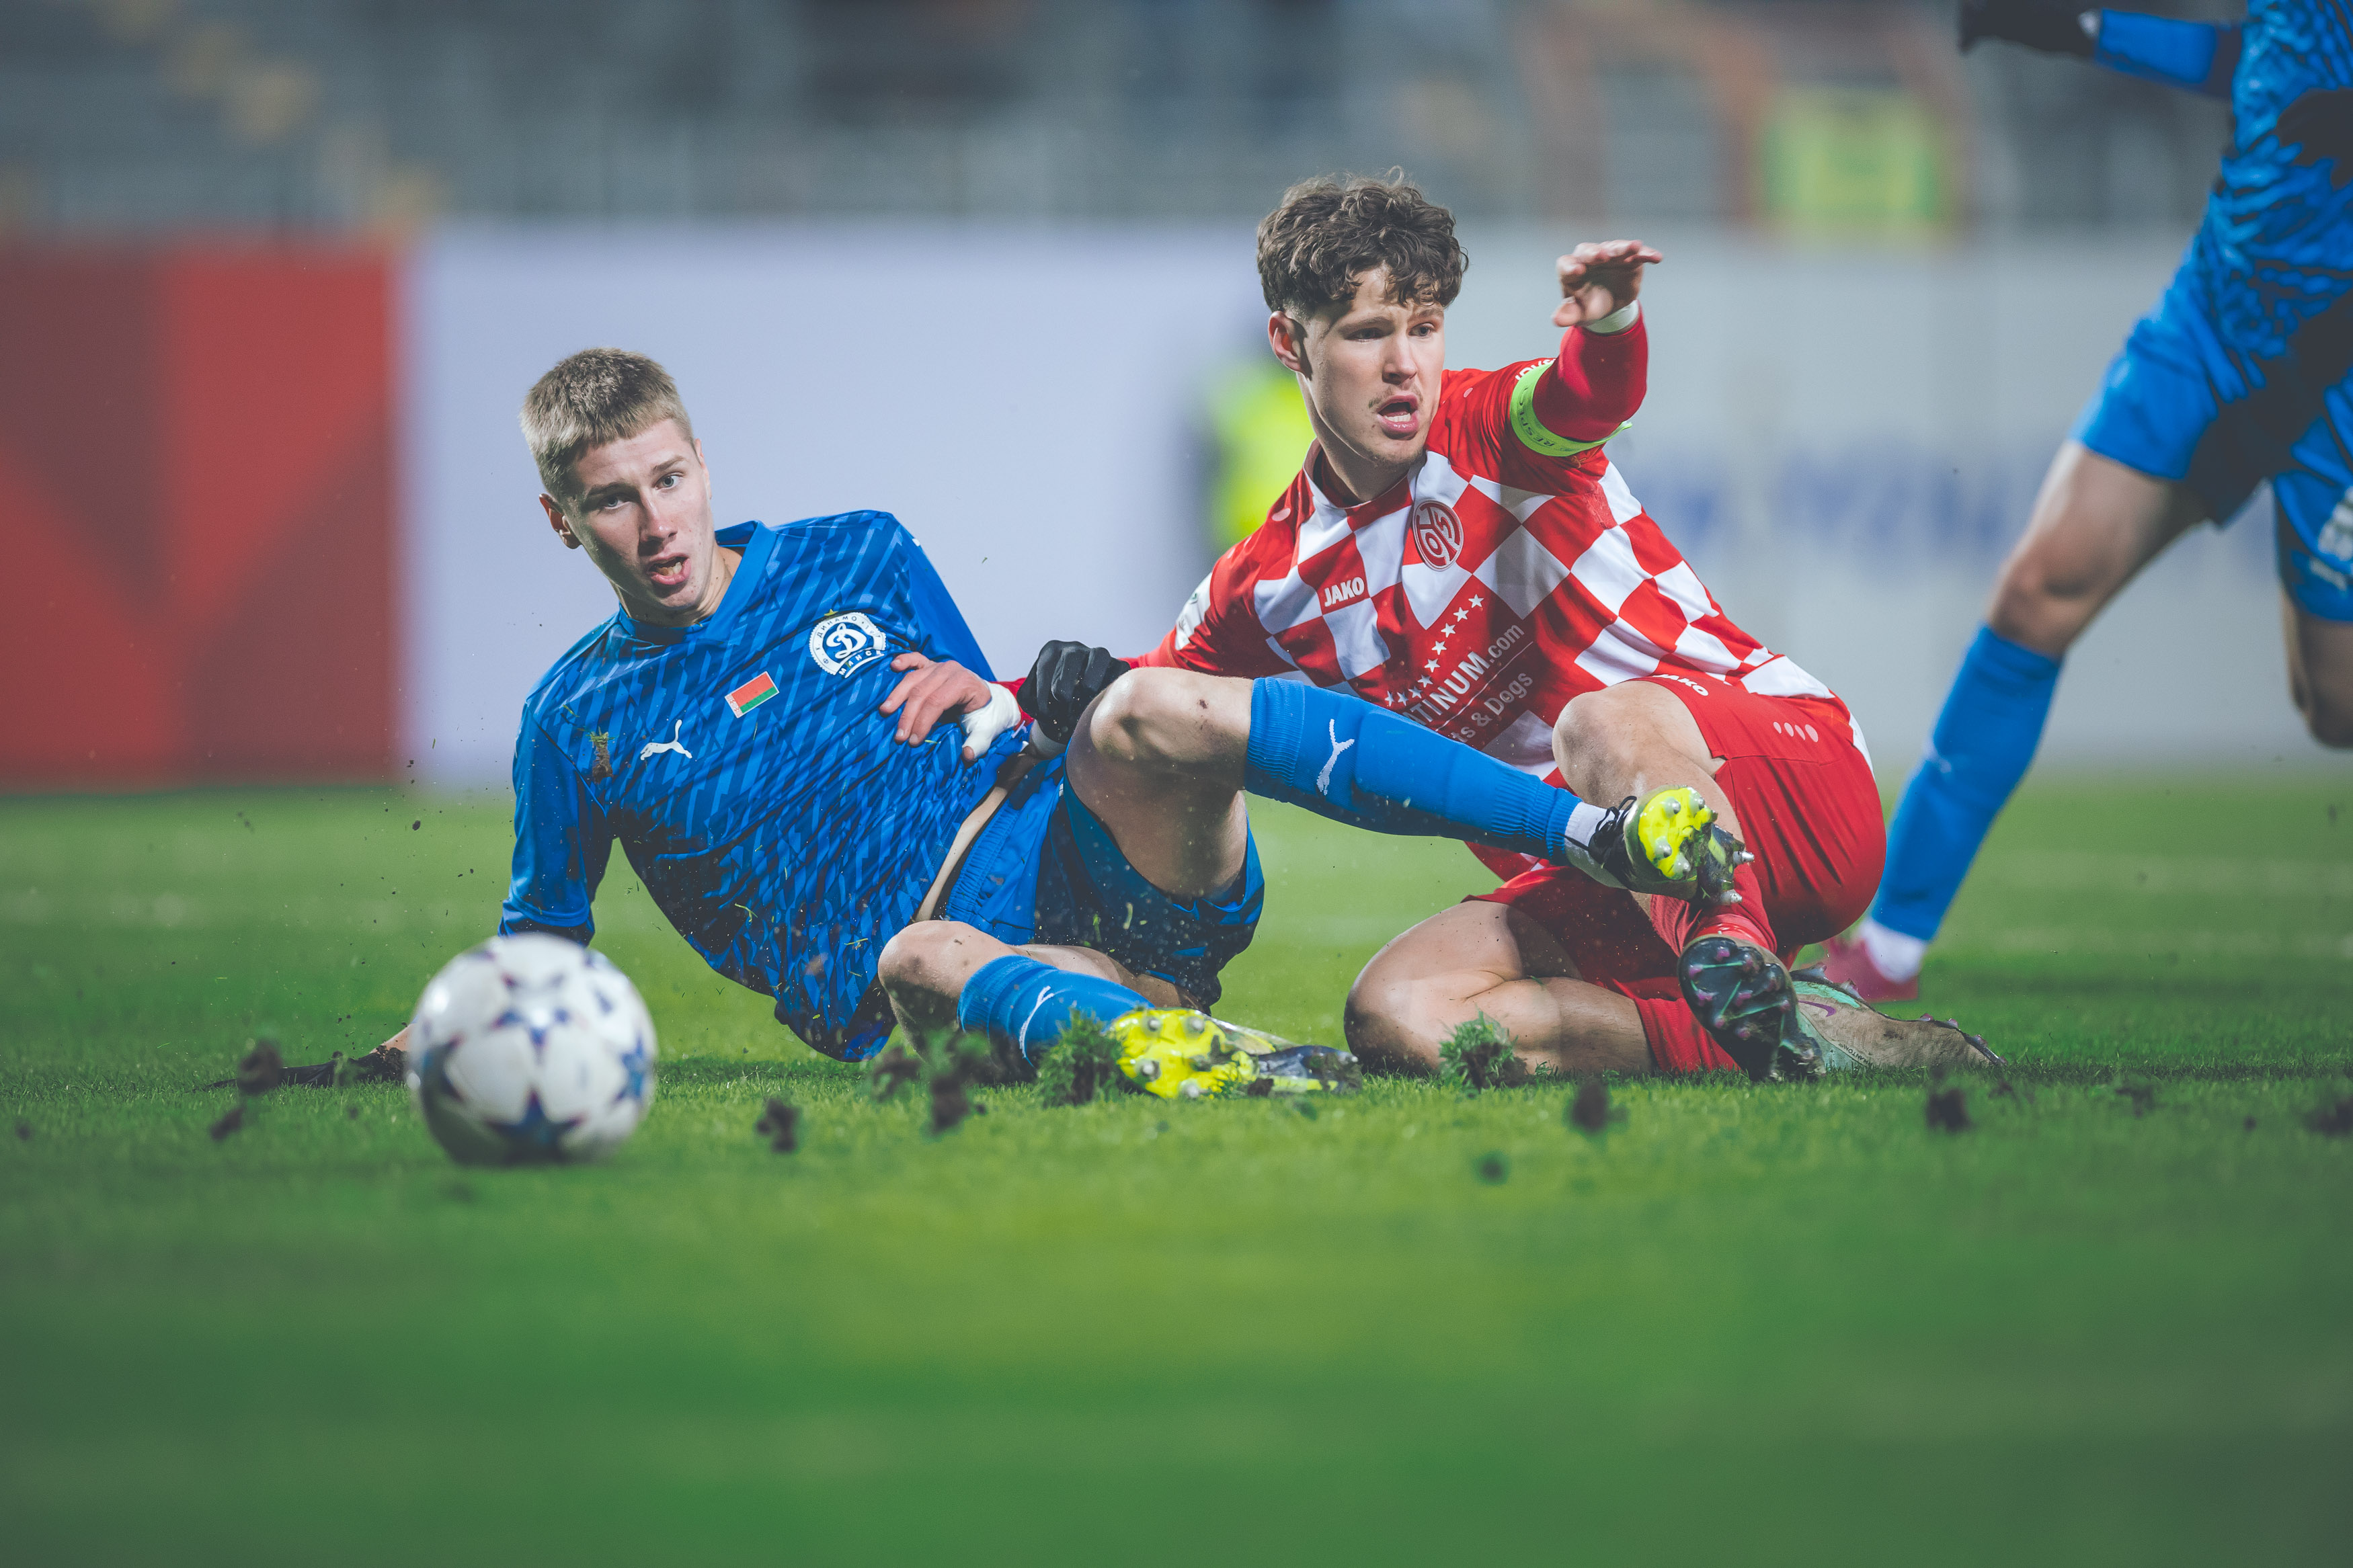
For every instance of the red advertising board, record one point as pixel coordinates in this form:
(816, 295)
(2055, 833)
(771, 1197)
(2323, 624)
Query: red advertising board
(196, 477)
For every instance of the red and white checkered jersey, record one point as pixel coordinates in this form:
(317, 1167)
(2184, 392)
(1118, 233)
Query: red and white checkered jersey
(1509, 572)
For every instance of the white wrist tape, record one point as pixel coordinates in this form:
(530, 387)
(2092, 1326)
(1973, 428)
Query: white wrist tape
(992, 718)
(1617, 320)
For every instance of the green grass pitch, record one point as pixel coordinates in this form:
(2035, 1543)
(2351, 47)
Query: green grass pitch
(1748, 1325)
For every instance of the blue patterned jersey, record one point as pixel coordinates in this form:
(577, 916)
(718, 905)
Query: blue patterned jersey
(2276, 245)
(742, 766)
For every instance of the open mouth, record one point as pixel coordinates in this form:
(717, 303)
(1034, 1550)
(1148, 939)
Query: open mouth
(1400, 415)
(667, 573)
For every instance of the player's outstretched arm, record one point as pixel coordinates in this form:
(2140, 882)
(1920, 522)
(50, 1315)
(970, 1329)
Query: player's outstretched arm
(1596, 381)
(2200, 56)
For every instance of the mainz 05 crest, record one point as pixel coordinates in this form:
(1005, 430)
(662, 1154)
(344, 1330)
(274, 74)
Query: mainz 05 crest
(845, 644)
(1437, 535)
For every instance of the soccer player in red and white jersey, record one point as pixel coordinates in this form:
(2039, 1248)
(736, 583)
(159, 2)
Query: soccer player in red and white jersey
(1458, 548)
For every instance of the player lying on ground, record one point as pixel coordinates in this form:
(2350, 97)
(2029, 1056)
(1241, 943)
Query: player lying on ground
(2242, 373)
(1457, 550)
(760, 726)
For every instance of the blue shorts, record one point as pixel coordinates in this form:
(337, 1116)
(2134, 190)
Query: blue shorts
(1046, 870)
(2176, 405)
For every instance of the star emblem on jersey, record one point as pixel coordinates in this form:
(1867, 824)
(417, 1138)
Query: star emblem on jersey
(845, 644)
(750, 694)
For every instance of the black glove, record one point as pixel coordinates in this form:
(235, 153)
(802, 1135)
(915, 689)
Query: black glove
(2319, 124)
(1066, 678)
(2053, 26)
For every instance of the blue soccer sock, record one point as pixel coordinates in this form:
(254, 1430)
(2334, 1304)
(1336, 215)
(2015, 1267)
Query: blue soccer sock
(1341, 757)
(1980, 749)
(1027, 1004)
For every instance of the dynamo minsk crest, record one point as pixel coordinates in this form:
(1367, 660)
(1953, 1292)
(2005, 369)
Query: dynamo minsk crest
(845, 644)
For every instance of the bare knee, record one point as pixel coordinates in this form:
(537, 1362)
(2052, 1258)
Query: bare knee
(1604, 739)
(1152, 719)
(1126, 723)
(931, 957)
(2039, 608)
(2095, 524)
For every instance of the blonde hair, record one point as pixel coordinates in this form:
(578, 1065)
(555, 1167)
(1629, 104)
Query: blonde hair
(591, 399)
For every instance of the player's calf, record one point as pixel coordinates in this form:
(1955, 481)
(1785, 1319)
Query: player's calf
(928, 968)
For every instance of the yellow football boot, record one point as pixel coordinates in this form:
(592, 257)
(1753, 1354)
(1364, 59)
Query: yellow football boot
(1669, 843)
(1178, 1053)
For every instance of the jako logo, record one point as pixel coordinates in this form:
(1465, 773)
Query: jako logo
(1437, 535)
(845, 644)
(1339, 593)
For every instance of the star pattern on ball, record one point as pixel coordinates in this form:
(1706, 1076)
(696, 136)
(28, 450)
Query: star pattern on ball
(636, 1063)
(537, 1022)
(537, 1132)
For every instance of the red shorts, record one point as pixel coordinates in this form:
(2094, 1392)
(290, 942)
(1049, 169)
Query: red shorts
(1809, 810)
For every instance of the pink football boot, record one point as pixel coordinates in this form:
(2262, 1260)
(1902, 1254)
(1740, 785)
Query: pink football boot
(1849, 963)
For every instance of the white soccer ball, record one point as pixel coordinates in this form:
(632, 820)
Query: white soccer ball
(530, 1050)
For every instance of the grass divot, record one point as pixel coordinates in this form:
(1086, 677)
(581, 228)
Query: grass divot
(1082, 1067)
(1478, 1055)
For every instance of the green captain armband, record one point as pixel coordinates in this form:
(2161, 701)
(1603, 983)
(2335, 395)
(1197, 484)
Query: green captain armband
(1531, 430)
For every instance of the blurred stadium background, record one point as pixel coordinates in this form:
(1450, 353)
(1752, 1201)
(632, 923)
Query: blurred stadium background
(274, 275)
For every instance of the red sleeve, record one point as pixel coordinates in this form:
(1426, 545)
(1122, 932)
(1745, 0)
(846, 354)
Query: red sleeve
(1218, 632)
(1596, 384)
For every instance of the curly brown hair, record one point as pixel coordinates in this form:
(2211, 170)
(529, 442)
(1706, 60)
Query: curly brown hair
(1331, 230)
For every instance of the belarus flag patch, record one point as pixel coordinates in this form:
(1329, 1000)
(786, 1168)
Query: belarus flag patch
(750, 694)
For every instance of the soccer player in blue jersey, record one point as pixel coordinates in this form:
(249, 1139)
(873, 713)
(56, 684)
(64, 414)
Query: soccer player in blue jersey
(2241, 375)
(791, 735)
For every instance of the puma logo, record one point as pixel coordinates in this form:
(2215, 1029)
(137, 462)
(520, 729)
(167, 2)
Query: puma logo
(1323, 779)
(1022, 1034)
(672, 745)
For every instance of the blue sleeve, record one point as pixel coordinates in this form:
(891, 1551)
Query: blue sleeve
(2200, 56)
(937, 614)
(561, 842)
